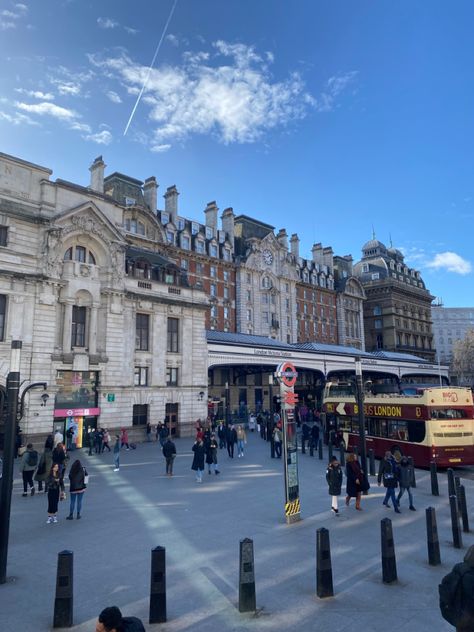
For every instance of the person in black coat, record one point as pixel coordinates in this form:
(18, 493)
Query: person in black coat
(231, 440)
(169, 452)
(355, 480)
(334, 479)
(389, 473)
(314, 441)
(305, 436)
(221, 433)
(211, 454)
(111, 620)
(198, 459)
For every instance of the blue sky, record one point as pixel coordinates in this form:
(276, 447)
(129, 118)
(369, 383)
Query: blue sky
(326, 118)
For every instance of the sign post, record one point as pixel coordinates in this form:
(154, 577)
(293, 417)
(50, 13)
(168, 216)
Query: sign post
(286, 375)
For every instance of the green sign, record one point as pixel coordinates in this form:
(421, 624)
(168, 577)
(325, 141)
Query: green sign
(111, 397)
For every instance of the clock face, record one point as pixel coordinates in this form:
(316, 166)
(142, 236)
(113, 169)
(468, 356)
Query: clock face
(267, 257)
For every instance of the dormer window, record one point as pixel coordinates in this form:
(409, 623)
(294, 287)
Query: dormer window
(213, 250)
(209, 232)
(80, 254)
(226, 254)
(200, 246)
(170, 236)
(134, 226)
(180, 223)
(194, 228)
(129, 201)
(165, 218)
(185, 242)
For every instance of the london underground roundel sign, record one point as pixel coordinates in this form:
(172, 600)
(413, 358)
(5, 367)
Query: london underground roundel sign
(287, 373)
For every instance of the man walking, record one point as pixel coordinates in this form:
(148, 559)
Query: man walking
(388, 472)
(29, 461)
(169, 452)
(231, 440)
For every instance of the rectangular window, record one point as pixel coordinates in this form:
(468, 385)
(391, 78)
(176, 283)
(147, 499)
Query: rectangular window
(249, 278)
(213, 250)
(194, 228)
(180, 223)
(173, 335)
(171, 376)
(226, 313)
(378, 323)
(200, 246)
(185, 242)
(3, 315)
(227, 256)
(3, 235)
(249, 296)
(142, 325)
(212, 272)
(140, 414)
(209, 232)
(80, 254)
(213, 289)
(213, 311)
(170, 236)
(78, 329)
(199, 268)
(265, 317)
(165, 218)
(184, 264)
(226, 275)
(226, 292)
(141, 376)
(249, 314)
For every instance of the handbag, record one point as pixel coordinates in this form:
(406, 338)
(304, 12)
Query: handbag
(86, 477)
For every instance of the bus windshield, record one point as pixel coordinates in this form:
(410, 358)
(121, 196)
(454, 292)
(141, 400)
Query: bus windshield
(449, 413)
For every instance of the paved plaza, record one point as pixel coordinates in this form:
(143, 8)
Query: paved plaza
(127, 513)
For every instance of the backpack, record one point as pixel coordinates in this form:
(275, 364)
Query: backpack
(451, 593)
(32, 458)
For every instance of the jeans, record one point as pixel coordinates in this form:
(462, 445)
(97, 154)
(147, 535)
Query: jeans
(72, 503)
(410, 495)
(27, 476)
(169, 465)
(278, 449)
(240, 447)
(199, 476)
(117, 459)
(390, 494)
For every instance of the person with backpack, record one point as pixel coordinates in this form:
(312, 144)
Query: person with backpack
(456, 594)
(28, 464)
(388, 472)
(406, 480)
(111, 620)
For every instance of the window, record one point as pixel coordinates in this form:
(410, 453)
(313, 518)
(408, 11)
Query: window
(226, 275)
(141, 376)
(378, 323)
(180, 223)
(379, 341)
(249, 278)
(226, 313)
(171, 376)
(199, 268)
(377, 310)
(184, 264)
(226, 254)
(173, 335)
(3, 315)
(375, 276)
(266, 282)
(265, 317)
(170, 236)
(200, 246)
(78, 329)
(287, 287)
(3, 235)
(209, 232)
(249, 314)
(165, 218)
(264, 299)
(287, 303)
(212, 272)
(213, 288)
(142, 332)
(194, 228)
(213, 250)
(140, 414)
(213, 311)
(80, 254)
(185, 242)
(226, 292)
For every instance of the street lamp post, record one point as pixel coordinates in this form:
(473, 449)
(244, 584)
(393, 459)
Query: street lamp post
(361, 416)
(14, 412)
(227, 397)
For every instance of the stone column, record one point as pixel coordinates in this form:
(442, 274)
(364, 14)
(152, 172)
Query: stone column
(93, 330)
(67, 326)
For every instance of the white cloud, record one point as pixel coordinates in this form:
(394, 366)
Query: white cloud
(70, 88)
(130, 30)
(9, 18)
(107, 23)
(101, 138)
(334, 87)
(236, 99)
(172, 39)
(114, 97)
(49, 109)
(451, 262)
(5, 25)
(36, 94)
(160, 148)
(17, 119)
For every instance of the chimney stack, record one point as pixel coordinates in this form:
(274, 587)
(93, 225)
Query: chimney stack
(295, 245)
(211, 211)
(317, 252)
(97, 169)
(171, 202)
(282, 238)
(150, 189)
(227, 218)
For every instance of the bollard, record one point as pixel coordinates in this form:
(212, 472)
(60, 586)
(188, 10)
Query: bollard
(247, 599)
(464, 515)
(342, 456)
(329, 451)
(457, 537)
(451, 486)
(434, 557)
(158, 585)
(320, 449)
(410, 462)
(457, 485)
(389, 563)
(324, 587)
(371, 462)
(434, 479)
(63, 601)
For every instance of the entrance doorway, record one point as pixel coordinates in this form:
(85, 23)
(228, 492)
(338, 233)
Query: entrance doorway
(171, 419)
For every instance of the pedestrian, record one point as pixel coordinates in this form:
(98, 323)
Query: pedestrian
(198, 459)
(388, 472)
(164, 432)
(211, 454)
(354, 484)
(90, 440)
(124, 438)
(221, 433)
(117, 453)
(28, 464)
(314, 440)
(157, 431)
(231, 440)
(406, 474)
(98, 438)
(241, 441)
(456, 594)
(111, 620)
(252, 422)
(69, 437)
(277, 441)
(77, 487)
(59, 457)
(106, 441)
(305, 435)
(55, 493)
(58, 437)
(44, 465)
(334, 480)
(169, 452)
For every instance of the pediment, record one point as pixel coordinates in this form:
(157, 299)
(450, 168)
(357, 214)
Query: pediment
(87, 218)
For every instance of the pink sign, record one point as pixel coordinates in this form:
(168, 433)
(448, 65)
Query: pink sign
(76, 412)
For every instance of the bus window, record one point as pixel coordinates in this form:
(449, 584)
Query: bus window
(448, 413)
(344, 423)
(398, 430)
(416, 431)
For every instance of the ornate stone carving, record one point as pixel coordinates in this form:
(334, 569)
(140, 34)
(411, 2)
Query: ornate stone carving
(52, 254)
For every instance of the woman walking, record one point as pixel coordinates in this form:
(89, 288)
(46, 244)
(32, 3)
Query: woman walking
(44, 465)
(59, 458)
(355, 480)
(117, 453)
(124, 438)
(106, 441)
(77, 479)
(241, 441)
(198, 460)
(55, 492)
(334, 479)
(211, 454)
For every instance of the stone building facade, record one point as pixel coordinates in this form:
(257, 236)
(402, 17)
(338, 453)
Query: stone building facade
(397, 310)
(106, 317)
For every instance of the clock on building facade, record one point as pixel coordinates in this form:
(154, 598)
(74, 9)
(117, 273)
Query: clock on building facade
(267, 257)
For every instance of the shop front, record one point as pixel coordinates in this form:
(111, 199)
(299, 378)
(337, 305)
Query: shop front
(75, 409)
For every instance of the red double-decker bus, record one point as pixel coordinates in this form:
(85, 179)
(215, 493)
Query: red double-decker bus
(431, 424)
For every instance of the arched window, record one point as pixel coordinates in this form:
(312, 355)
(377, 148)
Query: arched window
(80, 254)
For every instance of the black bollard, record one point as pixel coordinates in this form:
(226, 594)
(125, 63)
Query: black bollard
(457, 485)
(324, 587)
(410, 462)
(342, 455)
(457, 536)
(434, 557)
(158, 585)
(389, 563)
(63, 601)
(434, 479)
(371, 462)
(464, 515)
(320, 449)
(451, 486)
(247, 598)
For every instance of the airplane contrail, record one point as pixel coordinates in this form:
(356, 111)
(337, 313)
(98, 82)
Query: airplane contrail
(151, 66)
